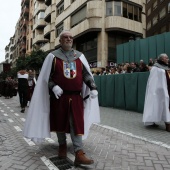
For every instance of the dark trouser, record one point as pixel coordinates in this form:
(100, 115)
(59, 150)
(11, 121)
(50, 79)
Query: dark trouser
(23, 97)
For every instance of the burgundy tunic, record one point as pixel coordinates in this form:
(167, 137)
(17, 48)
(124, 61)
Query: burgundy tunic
(167, 72)
(69, 78)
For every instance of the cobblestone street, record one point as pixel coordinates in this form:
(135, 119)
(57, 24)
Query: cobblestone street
(120, 142)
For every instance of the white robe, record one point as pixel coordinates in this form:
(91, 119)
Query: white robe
(37, 125)
(156, 107)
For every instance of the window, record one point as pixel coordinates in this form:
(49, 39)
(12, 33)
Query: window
(78, 17)
(155, 20)
(31, 43)
(125, 10)
(162, 13)
(117, 8)
(60, 8)
(130, 11)
(136, 13)
(149, 12)
(35, 5)
(41, 15)
(109, 11)
(155, 5)
(27, 44)
(148, 25)
(59, 29)
(163, 29)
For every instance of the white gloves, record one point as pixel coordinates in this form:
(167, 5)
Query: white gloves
(57, 91)
(93, 94)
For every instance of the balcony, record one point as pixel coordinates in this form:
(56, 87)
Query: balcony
(41, 7)
(40, 23)
(88, 25)
(118, 22)
(25, 11)
(23, 47)
(39, 39)
(47, 30)
(47, 2)
(24, 2)
(48, 47)
(47, 15)
(24, 23)
(23, 35)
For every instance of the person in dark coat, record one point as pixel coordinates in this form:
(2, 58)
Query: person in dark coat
(23, 88)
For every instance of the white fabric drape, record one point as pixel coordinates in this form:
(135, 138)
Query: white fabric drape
(156, 107)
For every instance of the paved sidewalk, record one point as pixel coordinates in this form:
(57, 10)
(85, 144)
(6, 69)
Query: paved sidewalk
(120, 142)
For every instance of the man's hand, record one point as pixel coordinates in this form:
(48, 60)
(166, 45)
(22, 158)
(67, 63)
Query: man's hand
(93, 94)
(57, 91)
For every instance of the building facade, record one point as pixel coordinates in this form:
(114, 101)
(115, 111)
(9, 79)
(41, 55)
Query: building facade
(158, 17)
(98, 26)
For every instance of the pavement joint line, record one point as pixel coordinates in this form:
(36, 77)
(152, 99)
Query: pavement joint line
(48, 163)
(29, 142)
(18, 128)
(10, 120)
(135, 136)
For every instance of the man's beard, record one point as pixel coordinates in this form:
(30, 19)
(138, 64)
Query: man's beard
(67, 46)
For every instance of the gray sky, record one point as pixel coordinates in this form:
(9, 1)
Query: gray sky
(9, 14)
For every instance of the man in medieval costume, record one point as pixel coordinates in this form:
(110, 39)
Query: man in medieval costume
(73, 103)
(157, 103)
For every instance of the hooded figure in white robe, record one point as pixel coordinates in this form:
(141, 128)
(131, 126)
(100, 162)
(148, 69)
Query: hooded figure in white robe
(156, 106)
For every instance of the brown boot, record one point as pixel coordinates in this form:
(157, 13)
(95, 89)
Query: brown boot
(62, 151)
(80, 158)
(167, 127)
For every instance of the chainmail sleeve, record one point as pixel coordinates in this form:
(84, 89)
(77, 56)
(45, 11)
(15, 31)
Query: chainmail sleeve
(51, 84)
(88, 79)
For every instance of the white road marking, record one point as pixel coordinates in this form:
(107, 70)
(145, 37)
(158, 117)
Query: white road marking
(11, 110)
(50, 140)
(2, 110)
(10, 120)
(23, 119)
(31, 143)
(18, 128)
(16, 114)
(48, 163)
(5, 114)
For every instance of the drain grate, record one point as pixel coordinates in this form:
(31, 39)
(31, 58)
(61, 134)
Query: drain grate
(61, 164)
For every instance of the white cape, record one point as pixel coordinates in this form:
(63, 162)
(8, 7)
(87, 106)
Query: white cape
(37, 125)
(156, 107)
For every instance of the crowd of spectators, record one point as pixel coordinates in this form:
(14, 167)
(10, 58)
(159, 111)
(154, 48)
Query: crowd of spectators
(8, 87)
(125, 68)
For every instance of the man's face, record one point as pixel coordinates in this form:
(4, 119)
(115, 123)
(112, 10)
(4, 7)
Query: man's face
(165, 59)
(66, 41)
